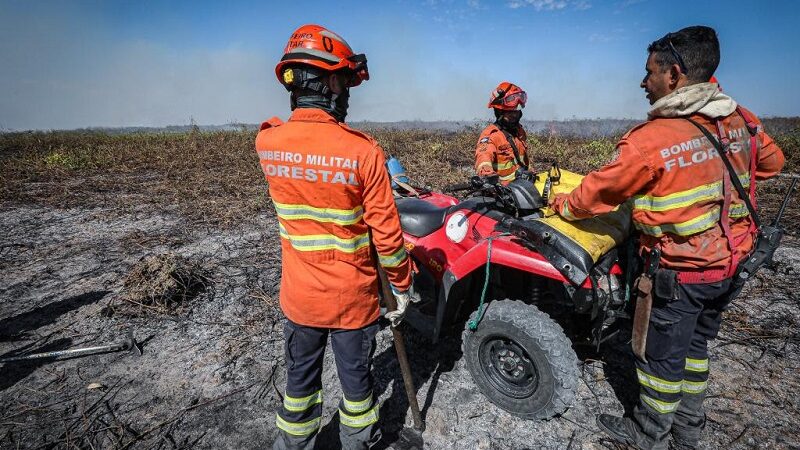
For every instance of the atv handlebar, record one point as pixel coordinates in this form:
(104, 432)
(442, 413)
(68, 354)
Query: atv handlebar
(491, 186)
(475, 183)
(457, 187)
(488, 186)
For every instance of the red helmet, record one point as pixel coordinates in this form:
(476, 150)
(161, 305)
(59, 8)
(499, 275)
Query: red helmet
(508, 97)
(316, 46)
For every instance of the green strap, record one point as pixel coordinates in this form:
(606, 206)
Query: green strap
(473, 324)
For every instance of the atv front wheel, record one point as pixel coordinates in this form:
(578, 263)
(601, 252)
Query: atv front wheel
(521, 359)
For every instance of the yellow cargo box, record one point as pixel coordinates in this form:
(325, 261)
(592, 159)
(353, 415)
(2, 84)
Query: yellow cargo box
(575, 247)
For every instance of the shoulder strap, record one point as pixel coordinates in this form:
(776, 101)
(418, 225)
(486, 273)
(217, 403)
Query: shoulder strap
(753, 129)
(517, 159)
(722, 150)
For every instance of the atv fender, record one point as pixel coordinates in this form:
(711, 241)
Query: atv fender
(504, 253)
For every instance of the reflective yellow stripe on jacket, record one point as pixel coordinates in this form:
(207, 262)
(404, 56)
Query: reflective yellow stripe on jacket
(325, 215)
(738, 210)
(508, 177)
(318, 242)
(685, 199)
(504, 166)
(687, 228)
(565, 212)
(393, 260)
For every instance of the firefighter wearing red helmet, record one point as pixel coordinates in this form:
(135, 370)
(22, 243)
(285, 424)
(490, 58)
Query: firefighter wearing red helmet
(334, 202)
(694, 228)
(502, 147)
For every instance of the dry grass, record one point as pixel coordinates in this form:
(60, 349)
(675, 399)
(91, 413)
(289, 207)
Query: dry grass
(213, 178)
(160, 283)
(209, 177)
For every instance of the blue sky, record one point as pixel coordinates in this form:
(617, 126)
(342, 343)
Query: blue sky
(68, 64)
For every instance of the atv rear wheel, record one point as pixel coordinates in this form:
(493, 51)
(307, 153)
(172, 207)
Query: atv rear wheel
(521, 359)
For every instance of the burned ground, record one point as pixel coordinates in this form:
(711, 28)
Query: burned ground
(82, 215)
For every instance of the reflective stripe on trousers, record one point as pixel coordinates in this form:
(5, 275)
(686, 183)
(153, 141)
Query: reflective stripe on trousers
(660, 406)
(697, 365)
(303, 403)
(299, 418)
(674, 379)
(298, 428)
(363, 420)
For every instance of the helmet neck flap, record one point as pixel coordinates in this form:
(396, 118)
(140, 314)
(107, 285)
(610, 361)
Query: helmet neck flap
(309, 89)
(335, 105)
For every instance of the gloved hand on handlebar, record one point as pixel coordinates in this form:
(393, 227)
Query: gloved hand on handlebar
(403, 299)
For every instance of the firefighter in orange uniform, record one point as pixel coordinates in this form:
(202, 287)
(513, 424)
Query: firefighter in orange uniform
(502, 147)
(333, 199)
(686, 209)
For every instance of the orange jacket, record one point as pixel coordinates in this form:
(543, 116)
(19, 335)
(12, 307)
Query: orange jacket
(677, 183)
(332, 196)
(494, 154)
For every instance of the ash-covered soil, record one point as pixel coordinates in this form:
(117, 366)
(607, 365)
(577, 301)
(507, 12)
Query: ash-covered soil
(212, 370)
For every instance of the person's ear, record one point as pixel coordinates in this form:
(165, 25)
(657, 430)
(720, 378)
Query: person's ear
(674, 75)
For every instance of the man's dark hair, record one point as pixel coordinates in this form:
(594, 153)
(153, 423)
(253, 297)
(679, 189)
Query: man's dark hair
(694, 49)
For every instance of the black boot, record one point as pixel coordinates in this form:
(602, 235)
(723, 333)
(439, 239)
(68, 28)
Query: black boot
(617, 428)
(690, 419)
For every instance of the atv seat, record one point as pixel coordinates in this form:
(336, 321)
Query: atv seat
(418, 217)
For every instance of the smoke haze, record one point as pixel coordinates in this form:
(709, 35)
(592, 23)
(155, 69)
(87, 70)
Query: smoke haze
(66, 67)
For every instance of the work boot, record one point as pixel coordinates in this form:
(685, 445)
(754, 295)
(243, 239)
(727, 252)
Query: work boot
(618, 428)
(690, 420)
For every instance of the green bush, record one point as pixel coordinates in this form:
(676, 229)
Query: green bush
(60, 161)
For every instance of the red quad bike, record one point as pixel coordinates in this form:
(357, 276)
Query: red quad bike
(486, 262)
